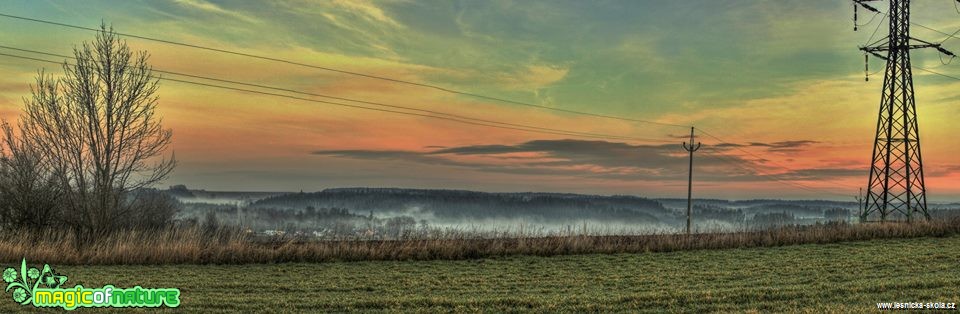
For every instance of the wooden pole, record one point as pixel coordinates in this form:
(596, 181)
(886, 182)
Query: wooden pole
(691, 148)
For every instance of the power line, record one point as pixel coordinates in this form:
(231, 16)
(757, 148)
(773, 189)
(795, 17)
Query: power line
(924, 27)
(949, 36)
(874, 17)
(954, 35)
(595, 135)
(938, 73)
(371, 76)
(487, 123)
(875, 30)
(943, 63)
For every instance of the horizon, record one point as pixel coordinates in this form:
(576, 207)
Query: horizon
(838, 199)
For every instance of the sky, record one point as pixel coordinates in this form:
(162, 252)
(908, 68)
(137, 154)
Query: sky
(778, 84)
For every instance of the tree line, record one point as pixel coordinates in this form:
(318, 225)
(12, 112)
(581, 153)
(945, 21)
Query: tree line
(456, 205)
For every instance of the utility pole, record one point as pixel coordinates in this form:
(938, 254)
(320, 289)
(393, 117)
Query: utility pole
(859, 199)
(691, 148)
(896, 183)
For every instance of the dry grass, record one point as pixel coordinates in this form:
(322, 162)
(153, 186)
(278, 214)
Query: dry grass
(193, 246)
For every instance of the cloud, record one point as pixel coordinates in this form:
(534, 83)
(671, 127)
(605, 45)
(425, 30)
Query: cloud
(478, 150)
(941, 170)
(814, 174)
(367, 10)
(782, 146)
(385, 155)
(601, 160)
(533, 77)
(205, 6)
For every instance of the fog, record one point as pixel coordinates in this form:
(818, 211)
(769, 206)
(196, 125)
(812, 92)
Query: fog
(392, 213)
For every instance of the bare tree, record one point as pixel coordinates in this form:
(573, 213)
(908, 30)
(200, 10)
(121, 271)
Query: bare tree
(29, 194)
(98, 130)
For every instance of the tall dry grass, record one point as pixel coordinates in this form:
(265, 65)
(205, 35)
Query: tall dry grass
(196, 246)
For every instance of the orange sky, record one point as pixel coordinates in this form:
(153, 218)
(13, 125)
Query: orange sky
(784, 81)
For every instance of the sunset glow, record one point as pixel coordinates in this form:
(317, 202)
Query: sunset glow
(781, 83)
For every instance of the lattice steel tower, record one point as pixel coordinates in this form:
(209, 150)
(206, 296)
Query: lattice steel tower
(896, 188)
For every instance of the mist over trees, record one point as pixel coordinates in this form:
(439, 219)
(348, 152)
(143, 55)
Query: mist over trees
(365, 210)
(87, 146)
(455, 206)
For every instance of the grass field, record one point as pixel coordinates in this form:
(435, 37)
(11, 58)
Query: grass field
(841, 277)
(174, 245)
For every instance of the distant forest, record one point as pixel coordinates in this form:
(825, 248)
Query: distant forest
(385, 212)
(396, 210)
(459, 206)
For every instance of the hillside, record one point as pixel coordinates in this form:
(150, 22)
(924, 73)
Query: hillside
(471, 209)
(458, 205)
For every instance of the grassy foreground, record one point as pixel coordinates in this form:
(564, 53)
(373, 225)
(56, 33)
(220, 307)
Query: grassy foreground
(839, 277)
(196, 246)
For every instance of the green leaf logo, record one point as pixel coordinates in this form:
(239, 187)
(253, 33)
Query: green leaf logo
(9, 275)
(25, 281)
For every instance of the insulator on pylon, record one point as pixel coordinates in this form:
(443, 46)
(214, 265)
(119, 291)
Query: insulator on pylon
(866, 68)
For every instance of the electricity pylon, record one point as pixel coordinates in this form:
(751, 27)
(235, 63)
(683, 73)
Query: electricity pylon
(896, 186)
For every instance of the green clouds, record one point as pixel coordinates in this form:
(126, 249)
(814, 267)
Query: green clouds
(622, 57)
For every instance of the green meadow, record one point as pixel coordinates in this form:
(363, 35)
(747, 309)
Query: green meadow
(839, 277)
